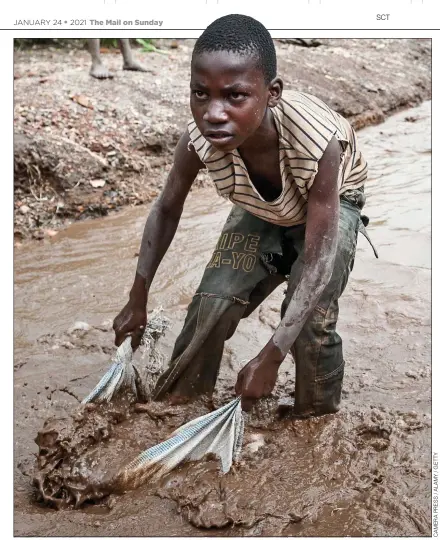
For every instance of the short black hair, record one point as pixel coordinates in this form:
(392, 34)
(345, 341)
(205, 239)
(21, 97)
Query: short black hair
(240, 34)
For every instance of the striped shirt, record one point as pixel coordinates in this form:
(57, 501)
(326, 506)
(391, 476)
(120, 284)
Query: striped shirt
(305, 126)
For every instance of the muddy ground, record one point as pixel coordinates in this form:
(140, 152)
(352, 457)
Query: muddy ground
(85, 147)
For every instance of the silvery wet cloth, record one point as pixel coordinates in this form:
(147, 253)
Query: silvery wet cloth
(219, 433)
(123, 375)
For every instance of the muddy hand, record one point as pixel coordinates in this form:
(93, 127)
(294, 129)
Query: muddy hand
(257, 379)
(131, 321)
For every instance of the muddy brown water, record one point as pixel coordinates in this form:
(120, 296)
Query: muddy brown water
(364, 471)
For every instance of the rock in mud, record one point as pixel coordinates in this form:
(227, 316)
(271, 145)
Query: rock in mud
(79, 325)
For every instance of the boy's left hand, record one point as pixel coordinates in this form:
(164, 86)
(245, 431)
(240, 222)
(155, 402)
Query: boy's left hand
(258, 377)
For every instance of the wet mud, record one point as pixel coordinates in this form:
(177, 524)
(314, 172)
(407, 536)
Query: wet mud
(351, 468)
(363, 471)
(349, 482)
(82, 456)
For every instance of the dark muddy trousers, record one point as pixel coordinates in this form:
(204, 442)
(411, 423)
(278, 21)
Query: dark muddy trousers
(251, 259)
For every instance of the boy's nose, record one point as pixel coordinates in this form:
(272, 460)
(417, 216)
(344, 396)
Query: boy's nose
(215, 113)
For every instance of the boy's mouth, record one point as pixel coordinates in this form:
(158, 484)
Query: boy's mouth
(218, 137)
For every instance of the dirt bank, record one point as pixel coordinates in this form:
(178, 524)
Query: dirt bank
(85, 147)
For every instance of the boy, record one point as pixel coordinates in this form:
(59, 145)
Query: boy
(295, 174)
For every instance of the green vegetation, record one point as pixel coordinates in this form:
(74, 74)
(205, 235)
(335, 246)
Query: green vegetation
(147, 46)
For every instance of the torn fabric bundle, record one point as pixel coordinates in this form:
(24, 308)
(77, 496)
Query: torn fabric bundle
(123, 376)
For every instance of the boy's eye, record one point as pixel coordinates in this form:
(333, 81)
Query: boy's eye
(199, 94)
(237, 96)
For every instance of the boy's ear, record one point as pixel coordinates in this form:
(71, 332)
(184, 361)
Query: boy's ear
(275, 92)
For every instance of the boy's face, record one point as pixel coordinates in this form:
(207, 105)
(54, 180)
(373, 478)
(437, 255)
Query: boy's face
(229, 97)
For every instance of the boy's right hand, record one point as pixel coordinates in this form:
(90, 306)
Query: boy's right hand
(159, 231)
(131, 321)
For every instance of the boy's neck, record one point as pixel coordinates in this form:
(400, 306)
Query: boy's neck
(263, 139)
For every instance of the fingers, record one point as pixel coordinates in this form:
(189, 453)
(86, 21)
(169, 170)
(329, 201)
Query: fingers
(129, 323)
(120, 331)
(239, 385)
(116, 330)
(267, 390)
(119, 339)
(136, 337)
(247, 403)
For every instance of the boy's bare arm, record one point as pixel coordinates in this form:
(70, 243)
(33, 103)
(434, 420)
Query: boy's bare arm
(159, 231)
(258, 377)
(165, 214)
(320, 245)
